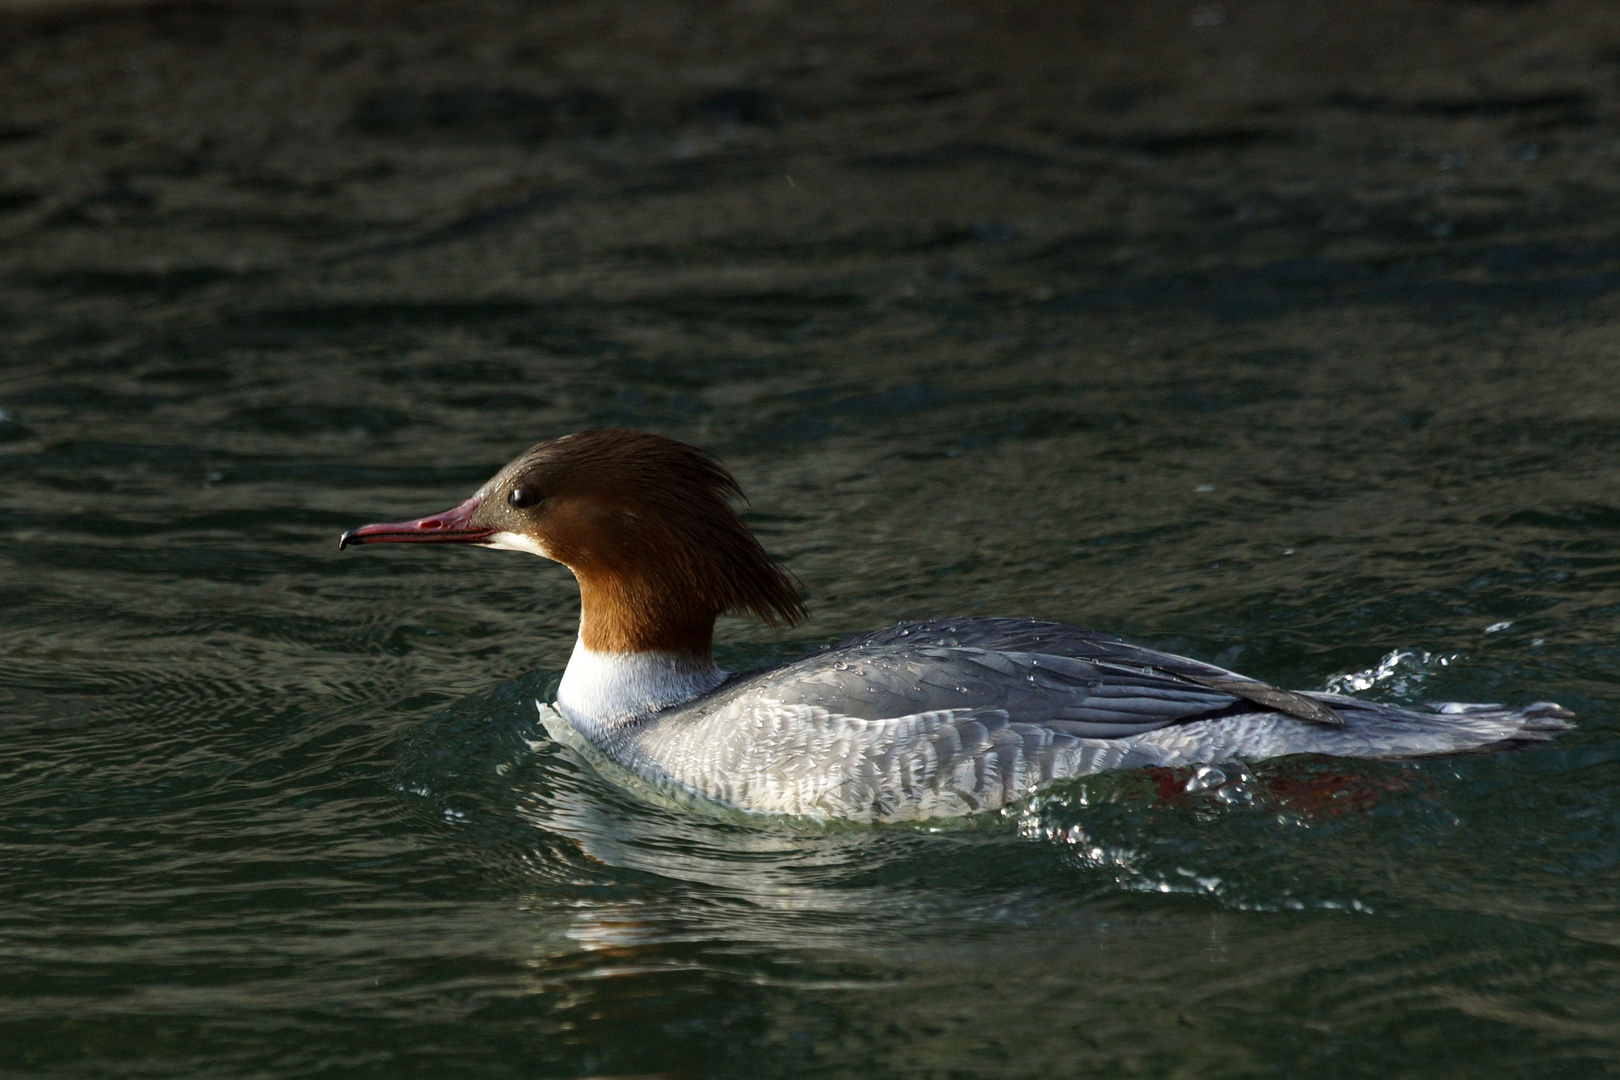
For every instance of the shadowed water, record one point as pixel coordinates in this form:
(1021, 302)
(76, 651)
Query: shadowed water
(1274, 335)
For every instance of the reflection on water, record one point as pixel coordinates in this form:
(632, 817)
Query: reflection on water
(1281, 338)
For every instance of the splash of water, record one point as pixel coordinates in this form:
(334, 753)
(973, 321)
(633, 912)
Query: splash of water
(1401, 674)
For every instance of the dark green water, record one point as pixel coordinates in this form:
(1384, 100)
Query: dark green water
(1212, 333)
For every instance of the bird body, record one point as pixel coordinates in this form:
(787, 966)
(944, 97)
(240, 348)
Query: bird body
(920, 720)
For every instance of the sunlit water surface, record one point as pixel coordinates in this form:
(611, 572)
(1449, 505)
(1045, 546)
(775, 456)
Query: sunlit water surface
(269, 810)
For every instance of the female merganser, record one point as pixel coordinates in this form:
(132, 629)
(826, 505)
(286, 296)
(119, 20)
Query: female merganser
(928, 719)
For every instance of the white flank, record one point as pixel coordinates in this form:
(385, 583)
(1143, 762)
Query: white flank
(601, 690)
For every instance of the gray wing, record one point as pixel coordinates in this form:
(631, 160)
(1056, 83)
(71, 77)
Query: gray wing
(1108, 652)
(1067, 680)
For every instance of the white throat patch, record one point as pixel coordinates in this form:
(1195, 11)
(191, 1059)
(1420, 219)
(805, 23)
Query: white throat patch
(510, 541)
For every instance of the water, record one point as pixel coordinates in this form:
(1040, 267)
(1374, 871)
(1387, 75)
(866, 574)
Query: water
(1191, 324)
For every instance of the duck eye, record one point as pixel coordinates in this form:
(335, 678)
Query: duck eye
(521, 498)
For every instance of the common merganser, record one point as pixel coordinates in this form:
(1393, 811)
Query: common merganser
(921, 720)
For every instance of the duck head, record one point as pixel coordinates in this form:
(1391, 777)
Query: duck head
(644, 522)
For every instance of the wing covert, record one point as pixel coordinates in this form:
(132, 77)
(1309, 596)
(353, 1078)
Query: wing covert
(1102, 650)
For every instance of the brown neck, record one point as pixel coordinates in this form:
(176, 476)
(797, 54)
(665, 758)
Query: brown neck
(619, 614)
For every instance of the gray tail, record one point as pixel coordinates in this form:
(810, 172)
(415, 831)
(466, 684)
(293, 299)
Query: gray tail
(1451, 727)
(1537, 722)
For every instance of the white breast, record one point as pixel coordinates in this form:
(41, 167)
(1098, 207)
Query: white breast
(601, 690)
